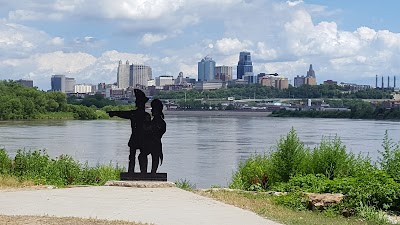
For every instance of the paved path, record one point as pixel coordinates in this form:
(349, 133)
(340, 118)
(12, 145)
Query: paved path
(161, 206)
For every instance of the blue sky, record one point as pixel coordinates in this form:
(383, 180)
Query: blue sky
(347, 41)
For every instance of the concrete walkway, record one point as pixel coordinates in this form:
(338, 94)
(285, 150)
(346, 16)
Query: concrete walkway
(161, 206)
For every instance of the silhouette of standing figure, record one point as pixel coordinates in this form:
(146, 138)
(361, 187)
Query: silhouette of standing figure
(137, 118)
(154, 131)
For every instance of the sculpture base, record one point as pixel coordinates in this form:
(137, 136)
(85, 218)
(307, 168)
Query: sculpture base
(144, 176)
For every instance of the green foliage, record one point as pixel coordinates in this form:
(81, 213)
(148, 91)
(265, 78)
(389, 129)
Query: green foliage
(96, 100)
(5, 162)
(64, 170)
(293, 200)
(185, 184)
(331, 159)
(390, 157)
(289, 158)
(371, 214)
(306, 183)
(253, 174)
(258, 91)
(329, 168)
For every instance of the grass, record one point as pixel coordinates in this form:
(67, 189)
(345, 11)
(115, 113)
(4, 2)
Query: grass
(185, 185)
(265, 206)
(47, 220)
(13, 182)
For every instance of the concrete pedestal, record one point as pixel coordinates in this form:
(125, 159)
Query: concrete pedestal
(144, 176)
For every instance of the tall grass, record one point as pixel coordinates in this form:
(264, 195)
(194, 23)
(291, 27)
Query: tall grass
(38, 167)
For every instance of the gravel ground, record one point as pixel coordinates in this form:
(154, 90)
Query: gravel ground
(35, 220)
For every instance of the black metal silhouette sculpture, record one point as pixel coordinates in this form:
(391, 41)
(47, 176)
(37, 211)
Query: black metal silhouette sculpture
(154, 130)
(146, 136)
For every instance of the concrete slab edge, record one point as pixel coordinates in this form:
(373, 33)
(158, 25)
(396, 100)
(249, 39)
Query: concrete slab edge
(140, 184)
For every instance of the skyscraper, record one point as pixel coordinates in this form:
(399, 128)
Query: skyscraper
(58, 83)
(139, 75)
(62, 83)
(244, 65)
(311, 72)
(133, 75)
(206, 69)
(123, 75)
(223, 73)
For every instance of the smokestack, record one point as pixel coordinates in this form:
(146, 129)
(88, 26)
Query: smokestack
(382, 83)
(394, 83)
(376, 81)
(388, 82)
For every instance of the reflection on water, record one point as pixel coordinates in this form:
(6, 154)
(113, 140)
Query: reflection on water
(204, 150)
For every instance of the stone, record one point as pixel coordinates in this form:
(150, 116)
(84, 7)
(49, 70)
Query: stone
(140, 184)
(144, 176)
(321, 201)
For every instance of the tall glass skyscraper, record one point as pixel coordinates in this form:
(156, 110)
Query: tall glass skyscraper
(206, 69)
(244, 65)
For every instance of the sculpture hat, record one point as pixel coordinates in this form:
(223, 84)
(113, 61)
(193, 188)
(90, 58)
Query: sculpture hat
(140, 96)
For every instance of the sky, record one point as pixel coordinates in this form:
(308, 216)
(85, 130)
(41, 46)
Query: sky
(346, 41)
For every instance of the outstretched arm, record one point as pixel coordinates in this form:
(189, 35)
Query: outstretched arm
(122, 114)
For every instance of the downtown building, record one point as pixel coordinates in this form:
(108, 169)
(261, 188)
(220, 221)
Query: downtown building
(245, 65)
(62, 83)
(133, 75)
(223, 73)
(310, 79)
(206, 69)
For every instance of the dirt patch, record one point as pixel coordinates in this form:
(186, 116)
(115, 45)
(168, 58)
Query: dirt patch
(46, 220)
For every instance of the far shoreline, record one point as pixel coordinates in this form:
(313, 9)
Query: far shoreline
(216, 113)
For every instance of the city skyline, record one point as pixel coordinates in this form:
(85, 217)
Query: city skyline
(346, 41)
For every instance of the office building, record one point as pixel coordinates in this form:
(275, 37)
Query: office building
(223, 73)
(310, 79)
(27, 83)
(123, 74)
(206, 69)
(250, 78)
(133, 75)
(139, 75)
(69, 84)
(209, 85)
(275, 81)
(165, 80)
(83, 88)
(62, 83)
(245, 64)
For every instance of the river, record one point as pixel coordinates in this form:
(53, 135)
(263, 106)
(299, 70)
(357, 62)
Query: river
(204, 150)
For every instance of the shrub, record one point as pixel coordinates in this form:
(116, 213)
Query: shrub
(289, 158)
(37, 166)
(31, 165)
(252, 174)
(331, 159)
(5, 162)
(390, 157)
(305, 183)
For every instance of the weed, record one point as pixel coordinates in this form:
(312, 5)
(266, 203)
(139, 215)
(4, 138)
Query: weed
(185, 185)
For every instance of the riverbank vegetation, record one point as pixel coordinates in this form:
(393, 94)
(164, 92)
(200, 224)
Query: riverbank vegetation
(263, 92)
(358, 109)
(18, 102)
(37, 167)
(369, 188)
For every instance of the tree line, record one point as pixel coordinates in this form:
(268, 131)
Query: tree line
(20, 102)
(261, 92)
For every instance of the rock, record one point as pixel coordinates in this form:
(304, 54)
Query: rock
(321, 201)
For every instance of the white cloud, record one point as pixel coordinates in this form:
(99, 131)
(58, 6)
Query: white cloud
(177, 34)
(229, 46)
(148, 39)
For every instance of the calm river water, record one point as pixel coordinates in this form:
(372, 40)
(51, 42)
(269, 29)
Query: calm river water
(204, 150)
